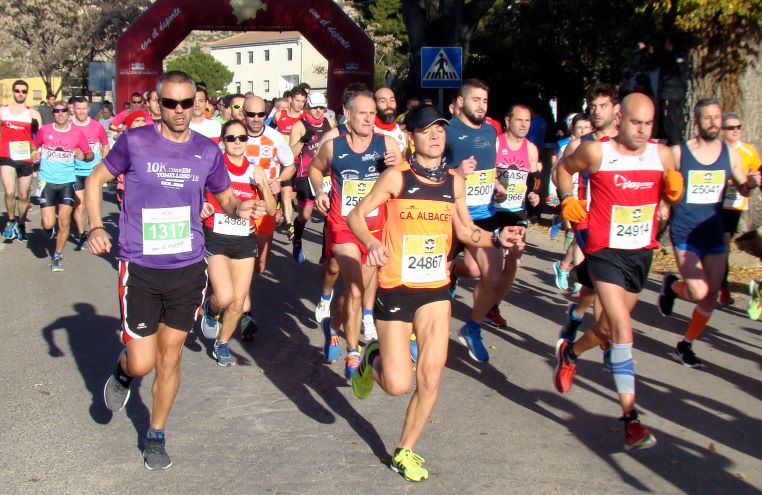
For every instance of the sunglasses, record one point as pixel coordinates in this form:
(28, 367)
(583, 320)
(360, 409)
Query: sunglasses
(237, 106)
(22, 91)
(232, 139)
(172, 104)
(317, 108)
(60, 110)
(732, 127)
(251, 115)
(137, 102)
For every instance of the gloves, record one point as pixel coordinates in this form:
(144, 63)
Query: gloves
(673, 185)
(573, 209)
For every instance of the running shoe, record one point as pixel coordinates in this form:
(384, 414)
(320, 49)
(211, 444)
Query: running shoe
(11, 230)
(115, 394)
(352, 363)
(563, 374)
(290, 231)
(569, 330)
(222, 354)
(636, 436)
(667, 296)
(562, 276)
(495, 318)
(453, 285)
(248, 327)
(82, 242)
(56, 264)
(369, 328)
(413, 347)
(555, 226)
(755, 309)
(362, 381)
(683, 353)
(472, 339)
(568, 239)
(331, 348)
(155, 453)
(725, 297)
(575, 290)
(323, 309)
(298, 252)
(21, 233)
(210, 324)
(409, 465)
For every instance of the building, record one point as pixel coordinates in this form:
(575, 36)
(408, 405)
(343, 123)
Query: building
(37, 90)
(269, 63)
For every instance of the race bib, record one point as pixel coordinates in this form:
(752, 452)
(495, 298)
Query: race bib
(166, 230)
(424, 258)
(225, 225)
(352, 192)
(631, 226)
(479, 187)
(705, 187)
(515, 184)
(20, 150)
(733, 198)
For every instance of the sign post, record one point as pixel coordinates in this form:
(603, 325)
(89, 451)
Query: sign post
(441, 67)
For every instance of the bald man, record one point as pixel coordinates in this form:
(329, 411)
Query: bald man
(631, 179)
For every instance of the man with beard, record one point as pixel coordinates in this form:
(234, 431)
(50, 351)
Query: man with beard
(696, 224)
(17, 122)
(208, 127)
(386, 113)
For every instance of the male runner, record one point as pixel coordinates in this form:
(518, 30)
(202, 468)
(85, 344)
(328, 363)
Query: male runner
(199, 123)
(628, 177)
(426, 207)
(236, 106)
(386, 123)
(17, 123)
(695, 225)
(304, 142)
(355, 161)
(471, 147)
(136, 103)
(284, 120)
(96, 138)
(162, 272)
(59, 145)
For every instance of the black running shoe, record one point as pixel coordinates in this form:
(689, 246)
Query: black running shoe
(683, 353)
(667, 296)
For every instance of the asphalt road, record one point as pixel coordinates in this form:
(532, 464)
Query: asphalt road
(284, 422)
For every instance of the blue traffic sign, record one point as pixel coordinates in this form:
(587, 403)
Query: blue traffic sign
(441, 66)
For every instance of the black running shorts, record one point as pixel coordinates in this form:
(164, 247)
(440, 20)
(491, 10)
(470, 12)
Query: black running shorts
(303, 190)
(626, 268)
(233, 246)
(149, 296)
(401, 303)
(55, 194)
(23, 169)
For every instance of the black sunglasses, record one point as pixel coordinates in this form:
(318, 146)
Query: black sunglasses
(60, 110)
(22, 91)
(172, 104)
(317, 108)
(232, 139)
(251, 115)
(732, 127)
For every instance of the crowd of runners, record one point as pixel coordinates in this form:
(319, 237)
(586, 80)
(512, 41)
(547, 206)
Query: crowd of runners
(412, 203)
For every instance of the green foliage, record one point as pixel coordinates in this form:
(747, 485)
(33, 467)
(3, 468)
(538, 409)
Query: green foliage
(382, 20)
(203, 67)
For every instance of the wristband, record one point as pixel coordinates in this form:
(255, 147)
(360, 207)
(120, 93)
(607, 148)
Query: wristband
(93, 229)
(565, 195)
(496, 238)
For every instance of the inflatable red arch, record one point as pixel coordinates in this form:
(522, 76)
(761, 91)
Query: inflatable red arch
(142, 47)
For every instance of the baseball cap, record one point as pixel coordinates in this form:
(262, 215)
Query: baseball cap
(316, 99)
(423, 117)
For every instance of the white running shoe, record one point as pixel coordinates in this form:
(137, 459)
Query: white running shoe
(369, 328)
(323, 309)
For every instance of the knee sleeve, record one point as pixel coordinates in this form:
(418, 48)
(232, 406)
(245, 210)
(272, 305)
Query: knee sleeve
(622, 368)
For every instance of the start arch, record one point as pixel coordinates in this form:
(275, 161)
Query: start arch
(141, 49)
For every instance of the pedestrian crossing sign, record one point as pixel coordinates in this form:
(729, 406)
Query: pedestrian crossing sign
(441, 66)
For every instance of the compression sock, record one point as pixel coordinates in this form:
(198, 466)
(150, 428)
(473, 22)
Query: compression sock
(699, 319)
(622, 368)
(298, 230)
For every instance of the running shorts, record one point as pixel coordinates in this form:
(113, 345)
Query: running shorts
(23, 169)
(233, 246)
(623, 267)
(343, 235)
(303, 190)
(401, 303)
(55, 194)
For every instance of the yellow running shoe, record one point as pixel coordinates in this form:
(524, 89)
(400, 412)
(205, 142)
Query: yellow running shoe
(755, 309)
(409, 465)
(362, 380)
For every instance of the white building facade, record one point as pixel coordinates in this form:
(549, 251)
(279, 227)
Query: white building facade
(269, 63)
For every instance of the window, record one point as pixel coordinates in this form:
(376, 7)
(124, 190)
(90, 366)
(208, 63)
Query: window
(267, 86)
(251, 86)
(290, 54)
(238, 58)
(251, 57)
(267, 55)
(237, 87)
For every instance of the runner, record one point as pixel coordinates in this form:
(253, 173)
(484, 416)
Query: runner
(59, 145)
(284, 120)
(152, 106)
(734, 204)
(426, 206)
(236, 106)
(17, 122)
(136, 103)
(628, 175)
(231, 247)
(199, 123)
(96, 138)
(696, 226)
(386, 123)
(355, 161)
(162, 272)
(305, 140)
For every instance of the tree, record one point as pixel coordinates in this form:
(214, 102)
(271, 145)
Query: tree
(203, 67)
(63, 37)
